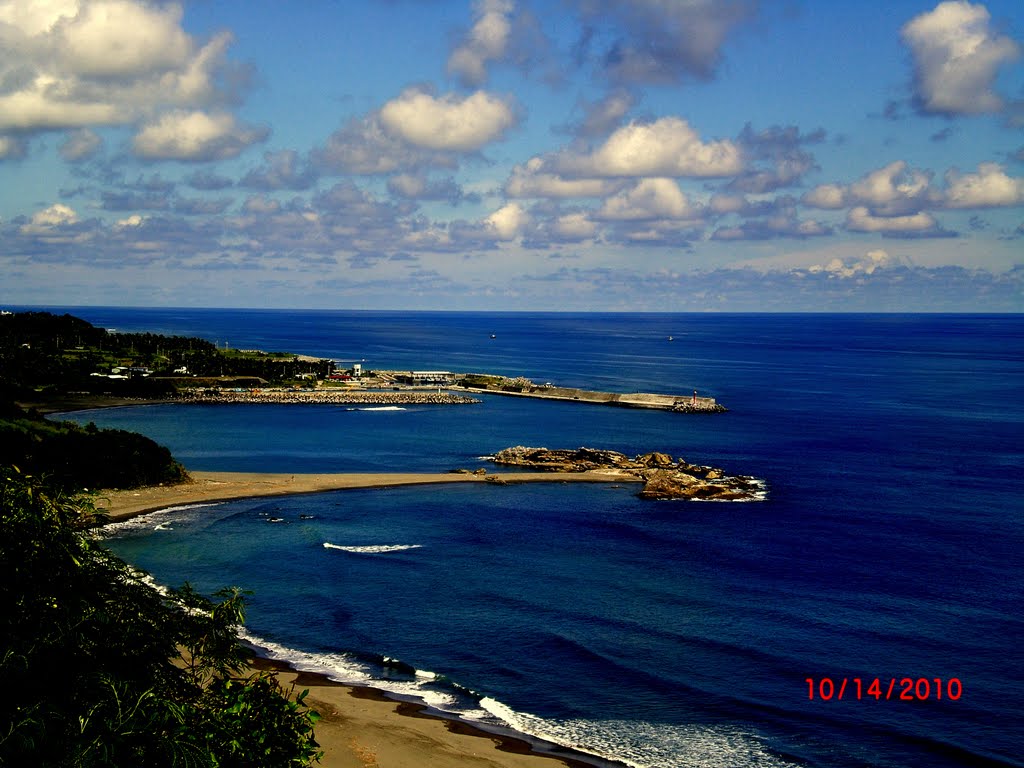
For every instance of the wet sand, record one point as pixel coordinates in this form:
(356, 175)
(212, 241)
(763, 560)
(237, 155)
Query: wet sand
(362, 728)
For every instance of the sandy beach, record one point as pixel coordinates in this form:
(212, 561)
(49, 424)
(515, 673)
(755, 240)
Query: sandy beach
(223, 486)
(361, 727)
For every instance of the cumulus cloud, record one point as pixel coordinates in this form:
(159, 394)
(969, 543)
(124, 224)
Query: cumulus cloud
(827, 196)
(867, 264)
(414, 186)
(501, 33)
(895, 189)
(658, 41)
(487, 41)
(81, 63)
(990, 187)
(647, 200)
(448, 123)
(783, 224)
(533, 180)
(194, 136)
(776, 157)
(957, 55)
(860, 219)
(668, 146)
(362, 146)
(572, 228)
(53, 217)
(508, 222)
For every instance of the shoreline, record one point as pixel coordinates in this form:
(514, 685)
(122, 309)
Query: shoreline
(365, 727)
(209, 487)
(362, 726)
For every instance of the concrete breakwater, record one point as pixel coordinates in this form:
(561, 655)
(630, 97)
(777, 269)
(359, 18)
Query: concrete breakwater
(326, 397)
(675, 403)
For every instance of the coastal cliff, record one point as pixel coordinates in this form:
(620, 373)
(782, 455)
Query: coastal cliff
(663, 476)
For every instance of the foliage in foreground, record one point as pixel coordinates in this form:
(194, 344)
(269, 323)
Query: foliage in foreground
(100, 669)
(73, 457)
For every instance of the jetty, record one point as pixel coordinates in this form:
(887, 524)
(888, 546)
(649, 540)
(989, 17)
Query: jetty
(676, 403)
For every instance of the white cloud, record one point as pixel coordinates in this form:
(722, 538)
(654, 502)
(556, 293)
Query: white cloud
(667, 147)
(135, 220)
(532, 180)
(892, 189)
(860, 219)
(573, 227)
(447, 123)
(867, 264)
(362, 146)
(956, 57)
(828, 196)
(508, 222)
(181, 135)
(990, 187)
(57, 215)
(649, 199)
(119, 38)
(486, 41)
(81, 63)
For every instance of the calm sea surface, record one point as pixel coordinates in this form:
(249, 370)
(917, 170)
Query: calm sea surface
(658, 633)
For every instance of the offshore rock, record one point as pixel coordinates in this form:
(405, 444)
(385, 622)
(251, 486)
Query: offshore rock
(663, 476)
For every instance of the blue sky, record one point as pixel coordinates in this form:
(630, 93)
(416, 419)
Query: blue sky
(676, 155)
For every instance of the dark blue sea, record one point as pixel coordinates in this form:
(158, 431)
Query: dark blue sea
(890, 545)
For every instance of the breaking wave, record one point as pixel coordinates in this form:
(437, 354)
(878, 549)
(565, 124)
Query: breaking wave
(373, 549)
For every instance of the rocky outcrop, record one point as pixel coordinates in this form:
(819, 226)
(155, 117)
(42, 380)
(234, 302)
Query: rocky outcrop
(663, 476)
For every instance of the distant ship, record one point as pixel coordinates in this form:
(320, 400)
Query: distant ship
(493, 336)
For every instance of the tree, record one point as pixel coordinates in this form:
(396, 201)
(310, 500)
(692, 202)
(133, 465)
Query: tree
(101, 669)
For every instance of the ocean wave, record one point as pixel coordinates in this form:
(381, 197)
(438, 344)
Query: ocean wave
(383, 673)
(373, 549)
(159, 520)
(641, 744)
(759, 494)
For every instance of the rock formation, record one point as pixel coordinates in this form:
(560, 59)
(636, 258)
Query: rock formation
(663, 476)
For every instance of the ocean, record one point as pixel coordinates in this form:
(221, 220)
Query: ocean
(888, 548)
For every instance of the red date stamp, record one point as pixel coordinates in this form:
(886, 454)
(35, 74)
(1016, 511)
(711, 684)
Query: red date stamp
(893, 689)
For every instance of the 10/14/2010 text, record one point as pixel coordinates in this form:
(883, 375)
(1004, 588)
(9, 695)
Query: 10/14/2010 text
(893, 689)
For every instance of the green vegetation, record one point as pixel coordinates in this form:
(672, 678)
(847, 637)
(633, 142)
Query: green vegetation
(72, 457)
(100, 669)
(46, 354)
(481, 380)
(490, 381)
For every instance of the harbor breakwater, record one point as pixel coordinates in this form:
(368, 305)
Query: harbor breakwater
(363, 398)
(675, 403)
